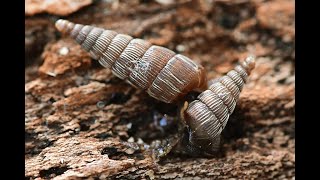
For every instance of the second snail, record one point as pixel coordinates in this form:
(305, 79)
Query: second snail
(168, 77)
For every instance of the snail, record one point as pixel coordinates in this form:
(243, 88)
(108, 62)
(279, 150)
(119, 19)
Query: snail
(207, 116)
(163, 74)
(168, 77)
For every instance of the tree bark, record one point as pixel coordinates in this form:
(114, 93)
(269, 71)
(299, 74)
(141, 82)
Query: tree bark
(83, 122)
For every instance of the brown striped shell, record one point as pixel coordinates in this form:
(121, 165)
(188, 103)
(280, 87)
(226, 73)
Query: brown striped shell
(163, 74)
(208, 115)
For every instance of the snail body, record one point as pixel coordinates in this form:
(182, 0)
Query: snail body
(208, 115)
(162, 73)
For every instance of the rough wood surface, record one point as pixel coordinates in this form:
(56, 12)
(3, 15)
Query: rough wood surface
(56, 7)
(83, 122)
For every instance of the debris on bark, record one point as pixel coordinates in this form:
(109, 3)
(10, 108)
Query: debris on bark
(55, 56)
(83, 122)
(54, 7)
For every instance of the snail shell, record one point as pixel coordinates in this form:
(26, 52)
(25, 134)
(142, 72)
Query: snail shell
(208, 115)
(165, 75)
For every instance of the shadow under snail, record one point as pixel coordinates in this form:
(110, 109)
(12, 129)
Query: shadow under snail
(168, 77)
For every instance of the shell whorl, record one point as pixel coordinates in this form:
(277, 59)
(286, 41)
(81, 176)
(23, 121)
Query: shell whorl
(163, 74)
(208, 115)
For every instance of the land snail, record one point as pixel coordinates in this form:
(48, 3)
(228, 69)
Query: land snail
(168, 77)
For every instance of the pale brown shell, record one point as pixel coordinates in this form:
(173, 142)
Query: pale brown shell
(163, 74)
(208, 115)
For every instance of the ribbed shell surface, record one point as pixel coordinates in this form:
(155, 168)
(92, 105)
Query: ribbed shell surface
(130, 57)
(91, 38)
(114, 50)
(75, 31)
(150, 65)
(216, 105)
(165, 75)
(203, 123)
(101, 44)
(223, 93)
(175, 79)
(83, 33)
(236, 78)
(208, 115)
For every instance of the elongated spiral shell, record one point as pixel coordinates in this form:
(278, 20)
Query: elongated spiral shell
(208, 115)
(165, 75)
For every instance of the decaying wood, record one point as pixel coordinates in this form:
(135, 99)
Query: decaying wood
(83, 122)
